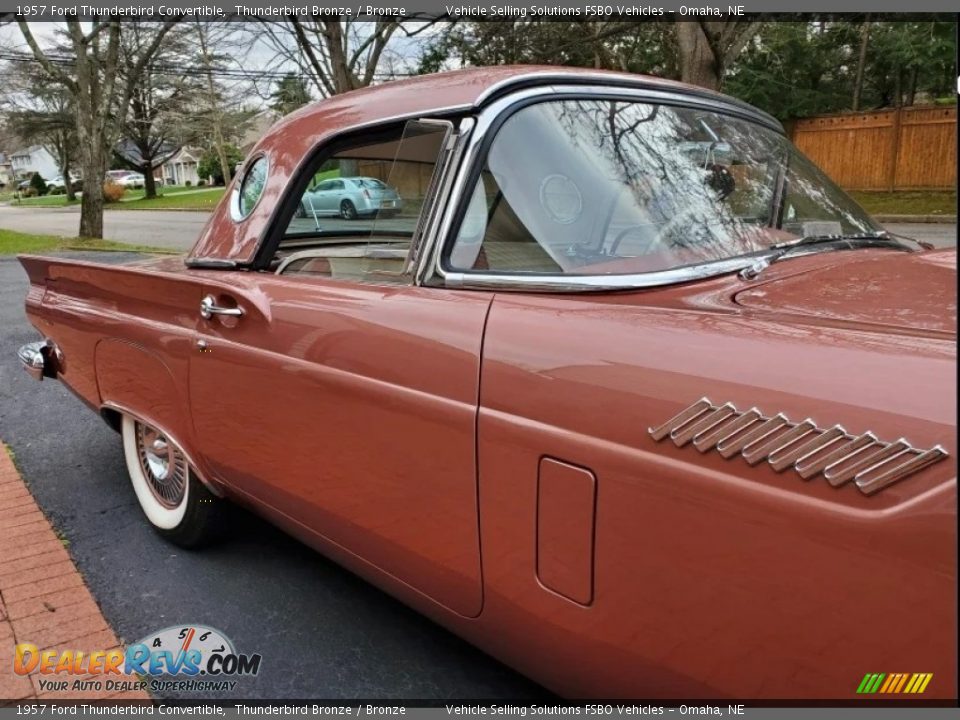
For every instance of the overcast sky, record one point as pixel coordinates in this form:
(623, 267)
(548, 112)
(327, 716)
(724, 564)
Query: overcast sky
(402, 54)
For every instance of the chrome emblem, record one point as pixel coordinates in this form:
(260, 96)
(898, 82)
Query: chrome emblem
(810, 450)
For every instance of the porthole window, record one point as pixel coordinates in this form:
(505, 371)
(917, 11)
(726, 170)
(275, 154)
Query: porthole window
(250, 189)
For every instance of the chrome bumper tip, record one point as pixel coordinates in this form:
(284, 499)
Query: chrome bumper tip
(36, 358)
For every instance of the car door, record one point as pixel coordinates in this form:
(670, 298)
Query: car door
(347, 410)
(315, 198)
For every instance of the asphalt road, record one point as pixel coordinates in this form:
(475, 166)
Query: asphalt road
(322, 632)
(167, 229)
(179, 230)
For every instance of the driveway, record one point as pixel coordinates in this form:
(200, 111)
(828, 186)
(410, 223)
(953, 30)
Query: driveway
(322, 632)
(179, 230)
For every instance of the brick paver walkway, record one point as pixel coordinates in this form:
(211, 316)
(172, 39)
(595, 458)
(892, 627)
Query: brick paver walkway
(43, 599)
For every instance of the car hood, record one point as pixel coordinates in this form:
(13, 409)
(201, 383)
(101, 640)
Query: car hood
(913, 293)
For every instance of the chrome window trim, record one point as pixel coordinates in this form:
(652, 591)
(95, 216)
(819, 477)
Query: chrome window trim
(488, 121)
(235, 214)
(421, 256)
(605, 81)
(432, 196)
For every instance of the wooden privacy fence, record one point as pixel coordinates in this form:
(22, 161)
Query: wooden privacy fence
(901, 149)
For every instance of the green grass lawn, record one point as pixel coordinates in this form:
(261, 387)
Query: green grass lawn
(45, 201)
(188, 199)
(918, 202)
(12, 243)
(174, 197)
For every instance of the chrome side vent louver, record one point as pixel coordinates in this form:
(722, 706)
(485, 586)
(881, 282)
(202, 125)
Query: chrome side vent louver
(836, 454)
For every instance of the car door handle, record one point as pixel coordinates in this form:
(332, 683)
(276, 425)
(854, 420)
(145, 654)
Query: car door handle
(209, 308)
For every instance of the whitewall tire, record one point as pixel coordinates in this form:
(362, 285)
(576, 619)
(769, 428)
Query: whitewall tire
(175, 502)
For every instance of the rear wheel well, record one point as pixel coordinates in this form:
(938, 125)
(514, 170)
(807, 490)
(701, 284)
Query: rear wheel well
(113, 418)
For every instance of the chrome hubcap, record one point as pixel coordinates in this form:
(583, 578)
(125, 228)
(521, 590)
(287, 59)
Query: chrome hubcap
(163, 465)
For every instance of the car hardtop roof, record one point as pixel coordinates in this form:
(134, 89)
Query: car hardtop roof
(290, 144)
(470, 88)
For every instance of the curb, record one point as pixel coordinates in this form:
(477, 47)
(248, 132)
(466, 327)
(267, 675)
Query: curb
(44, 601)
(944, 219)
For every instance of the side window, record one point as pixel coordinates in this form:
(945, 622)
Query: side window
(363, 207)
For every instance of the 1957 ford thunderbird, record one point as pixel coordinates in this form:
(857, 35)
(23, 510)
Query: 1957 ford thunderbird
(616, 384)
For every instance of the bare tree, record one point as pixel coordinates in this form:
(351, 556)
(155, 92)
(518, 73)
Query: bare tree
(708, 48)
(337, 55)
(42, 112)
(99, 96)
(208, 35)
(157, 101)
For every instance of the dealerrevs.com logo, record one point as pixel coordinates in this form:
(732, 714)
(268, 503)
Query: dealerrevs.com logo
(177, 658)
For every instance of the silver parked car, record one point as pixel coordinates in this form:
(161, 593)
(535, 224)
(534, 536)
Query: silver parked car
(350, 198)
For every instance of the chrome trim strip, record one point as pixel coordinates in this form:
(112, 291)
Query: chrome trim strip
(807, 449)
(836, 454)
(420, 260)
(760, 451)
(605, 81)
(682, 437)
(769, 425)
(695, 410)
(870, 485)
(808, 469)
(709, 438)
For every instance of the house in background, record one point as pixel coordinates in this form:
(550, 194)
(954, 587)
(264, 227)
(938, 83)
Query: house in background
(6, 171)
(34, 159)
(182, 167)
(257, 128)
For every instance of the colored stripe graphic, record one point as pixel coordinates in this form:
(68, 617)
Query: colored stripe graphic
(894, 683)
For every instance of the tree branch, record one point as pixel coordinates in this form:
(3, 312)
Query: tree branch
(53, 71)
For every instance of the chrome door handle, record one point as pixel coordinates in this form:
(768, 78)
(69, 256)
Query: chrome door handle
(209, 308)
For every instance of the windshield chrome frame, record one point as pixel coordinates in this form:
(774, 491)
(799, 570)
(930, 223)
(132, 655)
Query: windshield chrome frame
(488, 121)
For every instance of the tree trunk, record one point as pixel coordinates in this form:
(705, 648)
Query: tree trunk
(912, 85)
(861, 63)
(93, 159)
(91, 209)
(222, 154)
(71, 193)
(698, 66)
(149, 184)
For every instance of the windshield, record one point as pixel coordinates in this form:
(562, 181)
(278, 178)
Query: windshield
(616, 187)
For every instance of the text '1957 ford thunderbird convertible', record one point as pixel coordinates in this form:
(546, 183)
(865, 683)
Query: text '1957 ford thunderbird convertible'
(606, 378)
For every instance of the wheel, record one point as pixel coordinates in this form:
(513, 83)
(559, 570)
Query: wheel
(301, 211)
(347, 210)
(175, 502)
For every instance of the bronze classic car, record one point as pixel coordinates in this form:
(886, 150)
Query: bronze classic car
(628, 394)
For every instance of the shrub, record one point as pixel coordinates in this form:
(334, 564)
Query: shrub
(210, 166)
(39, 184)
(57, 191)
(202, 183)
(188, 183)
(29, 192)
(112, 192)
